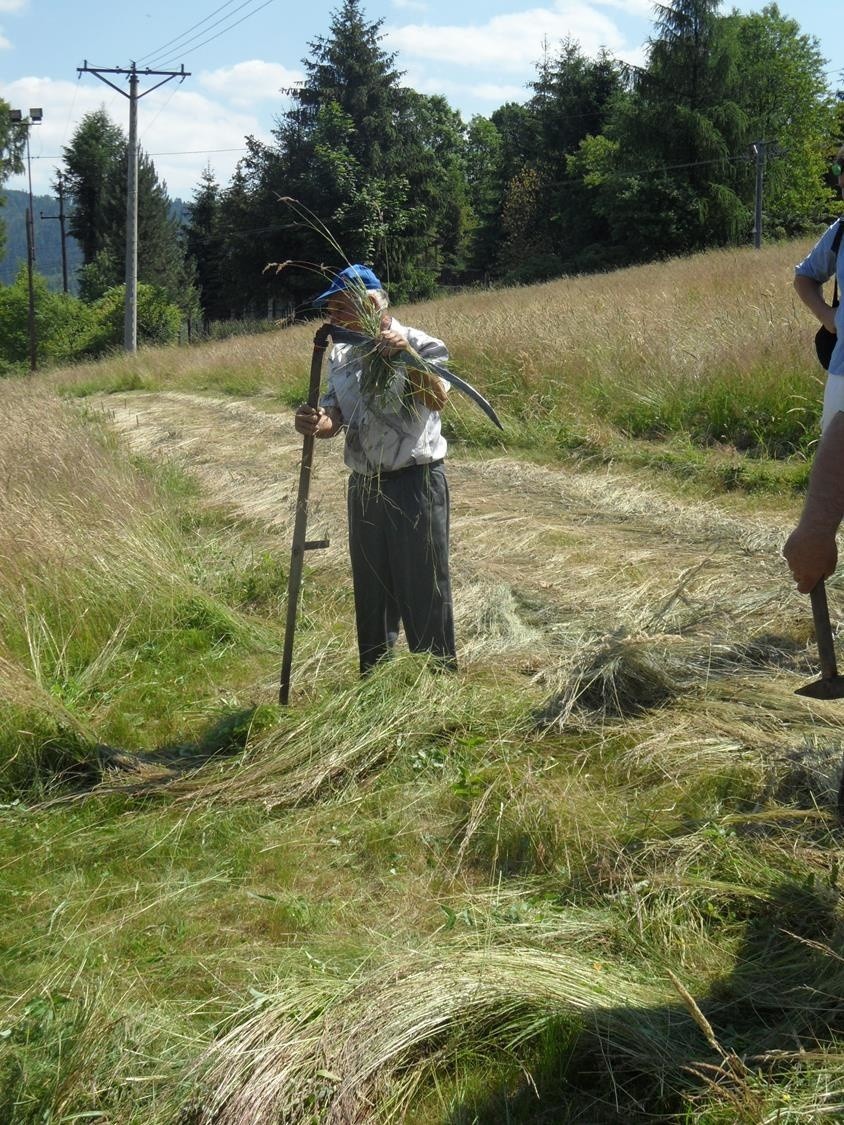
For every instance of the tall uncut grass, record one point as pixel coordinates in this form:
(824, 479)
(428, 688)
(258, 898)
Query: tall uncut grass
(715, 349)
(97, 600)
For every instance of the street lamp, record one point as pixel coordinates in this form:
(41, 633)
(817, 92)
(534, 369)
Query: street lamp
(35, 116)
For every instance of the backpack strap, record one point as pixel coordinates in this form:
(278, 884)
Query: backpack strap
(836, 246)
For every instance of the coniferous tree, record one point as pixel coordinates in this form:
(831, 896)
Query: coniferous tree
(246, 231)
(573, 98)
(12, 139)
(203, 246)
(379, 165)
(160, 254)
(485, 190)
(350, 68)
(96, 162)
(672, 184)
(92, 161)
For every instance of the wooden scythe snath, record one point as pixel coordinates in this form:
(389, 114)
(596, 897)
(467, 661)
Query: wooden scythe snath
(300, 526)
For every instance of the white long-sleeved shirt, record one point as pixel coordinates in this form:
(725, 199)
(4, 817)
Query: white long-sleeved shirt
(390, 432)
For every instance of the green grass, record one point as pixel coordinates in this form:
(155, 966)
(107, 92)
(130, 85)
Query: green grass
(595, 876)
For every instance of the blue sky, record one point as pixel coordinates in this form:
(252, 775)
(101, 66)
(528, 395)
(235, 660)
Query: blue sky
(241, 52)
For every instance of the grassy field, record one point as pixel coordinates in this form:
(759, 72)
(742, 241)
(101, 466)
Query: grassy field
(595, 876)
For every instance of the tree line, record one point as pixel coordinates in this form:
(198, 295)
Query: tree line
(602, 165)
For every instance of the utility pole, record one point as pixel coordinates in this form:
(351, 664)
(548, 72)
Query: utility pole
(60, 217)
(130, 322)
(35, 116)
(758, 148)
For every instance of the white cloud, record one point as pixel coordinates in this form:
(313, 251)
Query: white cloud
(510, 42)
(497, 94)
(470, 97)
(12, 5)
(4, 42)
(182, 130)
(643, 8)
(248, 82)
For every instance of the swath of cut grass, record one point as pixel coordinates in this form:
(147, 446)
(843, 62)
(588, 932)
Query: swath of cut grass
(403, 706)
(360, 1050)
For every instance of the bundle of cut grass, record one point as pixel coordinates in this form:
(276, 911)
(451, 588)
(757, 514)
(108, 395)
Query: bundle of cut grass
(622, 676)
(404, 706)
(359, 1051)
(489, 622)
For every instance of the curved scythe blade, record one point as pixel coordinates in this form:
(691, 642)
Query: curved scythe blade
(347, 336)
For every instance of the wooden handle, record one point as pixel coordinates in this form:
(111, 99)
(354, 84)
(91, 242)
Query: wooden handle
(823, 632)
(300, 525)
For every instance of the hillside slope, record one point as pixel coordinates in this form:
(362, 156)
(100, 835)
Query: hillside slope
(596, 875)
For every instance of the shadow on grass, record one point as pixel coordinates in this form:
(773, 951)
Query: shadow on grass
(225, 737)
(782, 1004)
(109, 767)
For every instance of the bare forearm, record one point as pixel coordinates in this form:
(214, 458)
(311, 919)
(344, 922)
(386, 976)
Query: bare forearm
(428, 387)
(824, 505)
(811, 550)
(810, 293)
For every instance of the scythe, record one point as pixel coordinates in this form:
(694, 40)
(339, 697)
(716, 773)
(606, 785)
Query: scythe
(300, 543)
(300, 525)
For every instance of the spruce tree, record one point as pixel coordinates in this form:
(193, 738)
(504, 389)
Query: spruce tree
(675, 183)
(96, 164)
(12, 139)
(350, 68)
(203, 246)
(91, 162)
(379, 165)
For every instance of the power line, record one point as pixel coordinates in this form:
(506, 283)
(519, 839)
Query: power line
(204, 42)
(170, 42)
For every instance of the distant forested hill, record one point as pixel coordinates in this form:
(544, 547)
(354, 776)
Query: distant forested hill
(48, 250)
(48, 247)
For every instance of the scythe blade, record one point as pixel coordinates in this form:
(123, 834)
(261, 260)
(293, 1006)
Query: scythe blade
(347, 336)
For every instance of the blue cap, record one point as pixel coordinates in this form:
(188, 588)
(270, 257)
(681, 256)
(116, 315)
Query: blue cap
(352, 277)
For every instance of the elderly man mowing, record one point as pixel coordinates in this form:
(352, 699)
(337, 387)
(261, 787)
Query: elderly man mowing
(398, 495)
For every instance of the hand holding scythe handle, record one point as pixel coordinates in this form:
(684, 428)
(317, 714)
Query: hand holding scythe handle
(300, 545)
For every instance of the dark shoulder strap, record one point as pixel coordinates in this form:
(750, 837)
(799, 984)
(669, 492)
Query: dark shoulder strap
(836, 246)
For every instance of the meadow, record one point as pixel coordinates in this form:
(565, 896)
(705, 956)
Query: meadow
(594, 876)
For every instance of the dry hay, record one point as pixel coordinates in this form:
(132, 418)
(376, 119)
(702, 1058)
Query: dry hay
(621, 676)
(488, 621)
(359, 1050)
(808, 776)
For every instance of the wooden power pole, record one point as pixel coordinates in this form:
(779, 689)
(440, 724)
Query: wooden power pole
(61, 218)
(130, 323)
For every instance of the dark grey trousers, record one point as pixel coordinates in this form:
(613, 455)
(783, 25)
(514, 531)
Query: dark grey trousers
(398, 542)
